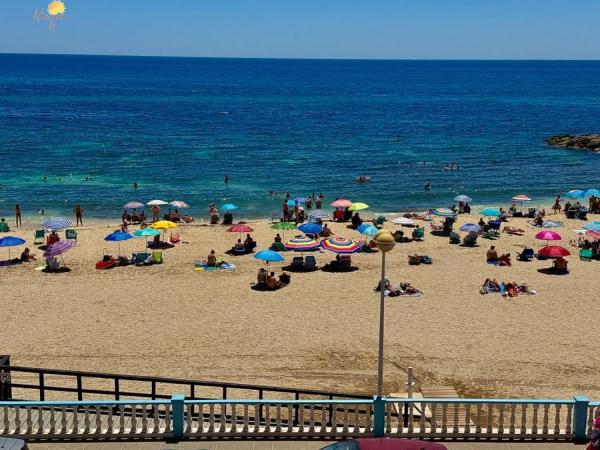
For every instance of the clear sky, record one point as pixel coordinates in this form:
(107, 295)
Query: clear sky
(398, 29)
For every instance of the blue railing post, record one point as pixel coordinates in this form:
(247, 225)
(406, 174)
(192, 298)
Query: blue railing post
(580, 412)
(379, 416)
(177, 415)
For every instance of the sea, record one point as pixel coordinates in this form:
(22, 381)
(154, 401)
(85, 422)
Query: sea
(84, 129)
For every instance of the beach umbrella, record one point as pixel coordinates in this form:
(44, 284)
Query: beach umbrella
(146, 233)
(56, 223)
(58, 248)
(592, 226)
(319, 214)
(470, 228)
(521, 198)
(269, 256)
(133, 205)
(491, 212)
(300, 199)
(358, 206)
(163, 225)
(554, 251)
(284, 226)
(339, 244)
(593, 234)
(118, 236)
(592, 192)
(403, 221)
(341, 203)
(367, 229)
(240, 228)
(463, 198)
(179, 204)
(443, 212)
(229, 207)
(311, 228)
(11, 241)
(548, 235)
(575, 193)
(302, 244)
(156, 203)
(292, 201)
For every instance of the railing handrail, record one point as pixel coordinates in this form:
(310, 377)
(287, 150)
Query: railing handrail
(145, 378)
(76, 403)
(277, 402)
(478, 400)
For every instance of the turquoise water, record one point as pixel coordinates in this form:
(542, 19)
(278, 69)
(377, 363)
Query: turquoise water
(177, 126)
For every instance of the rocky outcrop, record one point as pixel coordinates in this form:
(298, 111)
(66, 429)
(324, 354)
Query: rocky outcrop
(579, 141)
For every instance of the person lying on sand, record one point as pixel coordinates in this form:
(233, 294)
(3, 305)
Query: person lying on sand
(505, 260)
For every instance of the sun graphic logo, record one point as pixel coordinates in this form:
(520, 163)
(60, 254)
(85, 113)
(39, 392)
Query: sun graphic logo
(56, 7)
(54, 12)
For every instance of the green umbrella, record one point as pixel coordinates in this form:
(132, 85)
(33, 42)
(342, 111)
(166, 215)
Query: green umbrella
(284, 226)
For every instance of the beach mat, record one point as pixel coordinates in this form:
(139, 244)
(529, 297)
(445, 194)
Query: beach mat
(202, 267)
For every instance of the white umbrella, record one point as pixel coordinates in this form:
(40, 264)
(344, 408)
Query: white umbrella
(403, 221)
(156, 203)
(179, 204)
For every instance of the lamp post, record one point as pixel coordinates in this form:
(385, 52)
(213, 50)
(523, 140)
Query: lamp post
(385, 243)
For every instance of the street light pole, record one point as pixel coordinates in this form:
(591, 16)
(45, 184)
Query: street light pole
(385, 243)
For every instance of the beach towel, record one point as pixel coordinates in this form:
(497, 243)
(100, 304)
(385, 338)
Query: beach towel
(203, 267)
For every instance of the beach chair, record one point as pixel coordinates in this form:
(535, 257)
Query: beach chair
(38, 237)
(158, 257)
(346, 262)
(71, 234)
(139, 258)
(585, 254)
(582, 214)
(310, 263)
(298, 263)
(277, 247)
(379, 221)
(526, 255)
(454, 238)
(418, 234)
(4, 227)
(494, 225)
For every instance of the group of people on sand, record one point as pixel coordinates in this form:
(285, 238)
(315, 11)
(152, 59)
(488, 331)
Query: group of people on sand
(396, 291)
(503, 260)
(510, 289)
(267, 280)
(245, 247)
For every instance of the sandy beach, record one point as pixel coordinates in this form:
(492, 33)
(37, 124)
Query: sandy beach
(319, 332)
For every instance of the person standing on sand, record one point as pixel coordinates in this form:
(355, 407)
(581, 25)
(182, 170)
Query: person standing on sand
(155, 213)
(78, 215)
(556, 207)
(18, 215)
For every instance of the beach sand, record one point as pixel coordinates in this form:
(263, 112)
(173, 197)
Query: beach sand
(321, 331)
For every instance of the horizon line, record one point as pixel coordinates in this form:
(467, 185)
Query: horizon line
(303, 58)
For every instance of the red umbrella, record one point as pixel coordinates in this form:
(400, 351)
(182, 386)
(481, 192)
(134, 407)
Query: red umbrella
(554, 251)
(240, 228)
(341, 203)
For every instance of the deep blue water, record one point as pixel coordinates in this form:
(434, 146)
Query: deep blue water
(178, 125)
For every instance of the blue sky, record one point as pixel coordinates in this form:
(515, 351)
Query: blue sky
(397, 29)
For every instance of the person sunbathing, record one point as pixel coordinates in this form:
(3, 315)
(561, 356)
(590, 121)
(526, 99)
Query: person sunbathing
(277, 238)
(273, 283)
(511, 289)
(492, 254)
(211, 259)
(560, 265)
(505, 260)
(513, 230)
(491, 285)
(27, 256)
(388, 289)
(326, 231)
(408, 289)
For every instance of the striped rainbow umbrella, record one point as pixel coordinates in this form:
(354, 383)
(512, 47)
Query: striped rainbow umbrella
(340, 244)
(302, 244)
(319, 214)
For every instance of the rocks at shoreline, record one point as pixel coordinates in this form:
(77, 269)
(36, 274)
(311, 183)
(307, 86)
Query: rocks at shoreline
(578, 141)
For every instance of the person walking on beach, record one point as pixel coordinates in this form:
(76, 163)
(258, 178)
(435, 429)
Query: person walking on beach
(18, 215)
(556, 207)
(78, 215)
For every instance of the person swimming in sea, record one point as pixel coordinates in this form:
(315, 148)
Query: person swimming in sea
(427, 186)
(135, 185)
(226, 180)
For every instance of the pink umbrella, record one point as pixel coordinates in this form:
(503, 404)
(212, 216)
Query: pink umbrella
(593, 234)
(240, 228)
(341, 203)
(548, 235)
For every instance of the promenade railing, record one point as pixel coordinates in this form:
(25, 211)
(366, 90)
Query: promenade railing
(179, 418)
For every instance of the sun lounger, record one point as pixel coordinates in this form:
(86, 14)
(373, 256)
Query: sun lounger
(310, 263)
(585, 254)
(139, 258)
(298, 263)
(39, 237)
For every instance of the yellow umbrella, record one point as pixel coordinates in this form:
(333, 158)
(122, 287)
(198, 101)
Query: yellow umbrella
(163, 225)
(358, 206)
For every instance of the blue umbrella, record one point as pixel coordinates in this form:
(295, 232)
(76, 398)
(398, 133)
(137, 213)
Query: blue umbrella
(269, 256)
(118, 236)
(592, 226)
(367, 229)
(229, 207)
(11, 241)
(56, 223)
(575, 193)
(470, 227)
(300, 199)
(594, 192)
(463, 198)
(492, 212)
(311, 228)
(292, 201)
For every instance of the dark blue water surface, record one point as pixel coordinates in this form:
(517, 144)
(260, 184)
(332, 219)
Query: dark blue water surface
(178, 125)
